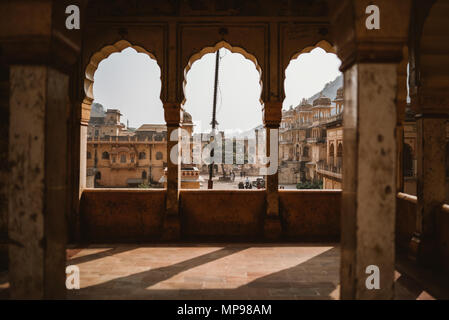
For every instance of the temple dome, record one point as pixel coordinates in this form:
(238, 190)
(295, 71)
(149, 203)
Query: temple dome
(304, 106)
(322, 101)
(186, 117)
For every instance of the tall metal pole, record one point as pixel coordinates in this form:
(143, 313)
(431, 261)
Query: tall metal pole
(210, 184)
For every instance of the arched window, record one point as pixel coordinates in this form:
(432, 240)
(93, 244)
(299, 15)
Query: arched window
(339, 155)
(331, 154)
(305, 152)
(340, 150)
(105, 155)
(407, 159)
(142, 155)
(159, 155)
(144, 174)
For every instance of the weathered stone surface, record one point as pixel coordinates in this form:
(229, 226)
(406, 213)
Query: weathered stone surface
(310, 215)
(369, 179)
(431, 186)
(26, 191)
(127, 215)
(37, 194)
(4, 166)
(123, 215)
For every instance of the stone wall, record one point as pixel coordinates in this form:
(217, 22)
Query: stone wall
(310, 214)
(406, 226)
(405, 220)
(125, 215)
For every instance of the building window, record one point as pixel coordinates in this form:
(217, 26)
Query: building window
(105, 156)
(89, 155)
(113, 159)
(159, 156)
(123, 158)
(305, 152)
(96, 133)
(132, 158)
(144, 174)
(142, 155)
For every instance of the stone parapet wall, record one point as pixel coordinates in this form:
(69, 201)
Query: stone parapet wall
(127, 215)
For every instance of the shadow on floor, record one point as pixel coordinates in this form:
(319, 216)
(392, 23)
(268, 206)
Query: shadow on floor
(316, 278)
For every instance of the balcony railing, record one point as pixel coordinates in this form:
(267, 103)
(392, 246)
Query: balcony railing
(324, 168)
(316, 140)
(125, 139)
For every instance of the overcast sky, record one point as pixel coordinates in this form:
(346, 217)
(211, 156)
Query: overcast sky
(130, 81)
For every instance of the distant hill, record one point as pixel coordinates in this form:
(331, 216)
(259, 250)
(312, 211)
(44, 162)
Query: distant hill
(330, 89)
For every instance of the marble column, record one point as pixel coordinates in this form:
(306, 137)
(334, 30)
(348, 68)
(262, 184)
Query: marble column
(38, 188)
(369, 180)
(172, 112)
(431, 184)
(272, 119)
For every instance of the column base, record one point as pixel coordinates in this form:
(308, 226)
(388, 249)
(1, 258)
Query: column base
(272, 229)
(172, 228)
(422, 249)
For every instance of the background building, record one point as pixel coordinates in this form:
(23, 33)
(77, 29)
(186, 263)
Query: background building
(310, 135)
(121, 157)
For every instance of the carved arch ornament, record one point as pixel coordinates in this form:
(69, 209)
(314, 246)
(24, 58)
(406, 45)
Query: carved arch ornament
(92, 67)
(217, 46)
(323, 44)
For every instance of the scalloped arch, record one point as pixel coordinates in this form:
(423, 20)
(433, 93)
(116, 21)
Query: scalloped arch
(99, 56)
(323, 44)
(219, 45)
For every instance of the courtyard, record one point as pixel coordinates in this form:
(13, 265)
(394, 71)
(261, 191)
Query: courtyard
(192, 271)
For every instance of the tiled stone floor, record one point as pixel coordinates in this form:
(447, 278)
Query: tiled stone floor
(213, 271)
(234, 271)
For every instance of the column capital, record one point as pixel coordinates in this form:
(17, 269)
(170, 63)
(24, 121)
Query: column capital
(356, 43)
(86, 107)
(272, 114)
(44, 39)
(432, 102)
(172, 113)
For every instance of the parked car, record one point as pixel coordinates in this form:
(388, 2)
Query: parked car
(259, 181)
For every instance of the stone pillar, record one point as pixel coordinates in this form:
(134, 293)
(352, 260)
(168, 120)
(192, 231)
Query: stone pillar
(272, 119)
(431, 180)
(37, 192)
(401, 102)
(369, 182)
(172, 113)
(4, 166)
(370, 59)
(85, 116)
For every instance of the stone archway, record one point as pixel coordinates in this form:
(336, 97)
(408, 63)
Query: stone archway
(95, 61)
(88, 84)
(217, 46)
(323, 44)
